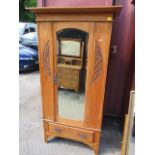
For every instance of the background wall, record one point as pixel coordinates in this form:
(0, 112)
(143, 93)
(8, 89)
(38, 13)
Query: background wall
(121, 68)
(73, 2)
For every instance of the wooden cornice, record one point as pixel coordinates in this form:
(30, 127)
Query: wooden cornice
(115, 10)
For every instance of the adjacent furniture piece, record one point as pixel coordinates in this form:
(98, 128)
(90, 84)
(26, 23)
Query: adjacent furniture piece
(128, 126)
(79, 66)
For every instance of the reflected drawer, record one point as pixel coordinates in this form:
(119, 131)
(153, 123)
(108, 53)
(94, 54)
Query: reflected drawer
(71, 133)
(66, 71)
(67, 85)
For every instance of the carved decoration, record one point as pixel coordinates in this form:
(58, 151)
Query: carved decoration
(98, 62)
(46, 58)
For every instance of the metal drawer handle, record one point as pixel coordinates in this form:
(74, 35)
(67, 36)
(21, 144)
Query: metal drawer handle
(83, 136)
(58, 130)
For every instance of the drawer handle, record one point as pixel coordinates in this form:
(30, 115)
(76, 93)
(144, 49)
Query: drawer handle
(83, 136)
(57, 130)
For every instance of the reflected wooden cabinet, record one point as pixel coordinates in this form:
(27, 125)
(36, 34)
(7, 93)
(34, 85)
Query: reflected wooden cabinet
(69, 77)
(73, 57)
(70, 61)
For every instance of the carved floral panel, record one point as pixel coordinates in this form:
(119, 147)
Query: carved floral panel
(46, 59)
(98, 62)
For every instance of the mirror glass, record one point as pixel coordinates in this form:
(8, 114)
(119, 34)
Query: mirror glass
(70, 48)
(71, 73)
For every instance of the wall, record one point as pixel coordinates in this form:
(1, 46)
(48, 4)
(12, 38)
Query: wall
(119, 63)
(74, 2)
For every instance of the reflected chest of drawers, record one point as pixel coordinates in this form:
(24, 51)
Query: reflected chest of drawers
(69, 77)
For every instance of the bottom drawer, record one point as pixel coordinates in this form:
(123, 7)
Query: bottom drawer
(81, 135)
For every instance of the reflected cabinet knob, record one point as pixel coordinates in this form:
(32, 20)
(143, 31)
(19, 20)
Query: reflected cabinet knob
(57, 130)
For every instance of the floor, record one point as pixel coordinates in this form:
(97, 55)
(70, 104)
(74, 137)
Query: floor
(31, 131)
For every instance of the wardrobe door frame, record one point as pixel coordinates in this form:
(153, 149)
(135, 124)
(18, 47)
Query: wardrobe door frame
(45, 52)
(87, 27)
(96, 74)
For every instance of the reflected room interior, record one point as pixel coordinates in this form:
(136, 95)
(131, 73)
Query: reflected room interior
(71, 71)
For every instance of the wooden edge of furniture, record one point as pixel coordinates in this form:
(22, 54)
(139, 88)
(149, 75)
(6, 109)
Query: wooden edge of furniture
(68, 122)
(85, 9)
(128, 125)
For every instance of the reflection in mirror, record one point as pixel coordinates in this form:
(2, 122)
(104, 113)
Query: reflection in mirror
(71, 70)
(70, 47)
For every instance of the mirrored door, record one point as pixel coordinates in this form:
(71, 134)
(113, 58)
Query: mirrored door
(80, 66)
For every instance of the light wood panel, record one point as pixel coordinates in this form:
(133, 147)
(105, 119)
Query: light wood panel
(84, 9)
(96, 78)
(75, 17)
(46, 69)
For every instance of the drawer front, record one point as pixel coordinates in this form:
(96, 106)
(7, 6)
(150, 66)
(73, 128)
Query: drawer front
(68, 74)
(71, 133)
(66, 71)
(68, 85)
(68, 77)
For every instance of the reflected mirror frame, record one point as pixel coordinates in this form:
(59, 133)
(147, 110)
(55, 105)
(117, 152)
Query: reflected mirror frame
(70, 39)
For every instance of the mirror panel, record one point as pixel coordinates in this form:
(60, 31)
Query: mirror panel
(70, 48)
(71, 73)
